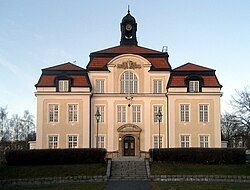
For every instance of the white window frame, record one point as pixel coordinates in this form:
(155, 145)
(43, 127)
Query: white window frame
(157, 86)
(75, 112)
(53, 113)
(67, 141)
(126, 84)
(201, 113)
(185, 112)
(53, 141)
(155, 144)
(194, 86)
(123, 120)
(100, 85)
(136, 115)
(101, 111)
(185, 141)
(63, 85)
(206, 144)
(155, 120)
(101, 144)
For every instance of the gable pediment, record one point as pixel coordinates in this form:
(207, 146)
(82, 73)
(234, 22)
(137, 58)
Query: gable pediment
(129, 128)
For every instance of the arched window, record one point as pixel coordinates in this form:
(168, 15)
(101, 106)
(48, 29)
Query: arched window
(129, 82)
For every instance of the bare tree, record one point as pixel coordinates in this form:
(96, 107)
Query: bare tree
(230, 125)
(241, 104)
(28, 126)
(3, 122)
(16, 126)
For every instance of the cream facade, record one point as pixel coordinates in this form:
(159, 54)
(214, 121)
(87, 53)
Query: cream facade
(128, 85)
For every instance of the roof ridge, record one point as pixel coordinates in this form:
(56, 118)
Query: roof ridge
(63, 64)
(120, 46)
(188, 63)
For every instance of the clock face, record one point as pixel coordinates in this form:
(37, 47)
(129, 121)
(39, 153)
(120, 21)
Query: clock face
(128, 27)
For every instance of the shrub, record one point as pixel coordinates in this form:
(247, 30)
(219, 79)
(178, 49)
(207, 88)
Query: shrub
(200, 155)
(55, 156)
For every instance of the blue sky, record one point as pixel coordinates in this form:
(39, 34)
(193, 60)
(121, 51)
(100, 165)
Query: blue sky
(42, 33)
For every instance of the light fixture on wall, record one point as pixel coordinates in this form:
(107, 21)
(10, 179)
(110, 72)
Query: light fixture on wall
(129, 98)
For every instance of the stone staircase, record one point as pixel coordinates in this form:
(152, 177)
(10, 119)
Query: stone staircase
(128, 169)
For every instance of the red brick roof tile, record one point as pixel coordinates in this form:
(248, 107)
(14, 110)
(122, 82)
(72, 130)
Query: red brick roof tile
(66, 67)
(122, 49)
(192, 67)
(179, 81)
(100, 59)
(77, 81)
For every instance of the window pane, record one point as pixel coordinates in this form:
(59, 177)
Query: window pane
(193, 86)
(129, 82)
(63, 85)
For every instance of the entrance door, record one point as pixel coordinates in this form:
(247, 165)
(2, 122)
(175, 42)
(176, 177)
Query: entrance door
(129, 146)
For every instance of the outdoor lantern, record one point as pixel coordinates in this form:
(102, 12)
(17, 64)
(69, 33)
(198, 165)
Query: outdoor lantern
(159, 118)
(159, 115)
(98, 117)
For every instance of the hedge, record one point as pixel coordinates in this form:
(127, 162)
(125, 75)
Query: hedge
(55, 156)
(200, 155)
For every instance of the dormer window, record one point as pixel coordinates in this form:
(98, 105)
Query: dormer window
(194, 86)
(63, 85)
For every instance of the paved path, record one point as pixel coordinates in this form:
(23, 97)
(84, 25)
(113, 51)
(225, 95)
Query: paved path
(127, 185)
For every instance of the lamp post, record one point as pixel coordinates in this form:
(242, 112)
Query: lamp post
(159, 118)
(98, 117)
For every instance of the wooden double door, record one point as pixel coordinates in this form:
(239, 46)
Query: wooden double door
(129, 146)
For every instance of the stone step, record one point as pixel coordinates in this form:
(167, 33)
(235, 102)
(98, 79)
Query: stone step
(125, 179)
(128, 174)
(128, 170)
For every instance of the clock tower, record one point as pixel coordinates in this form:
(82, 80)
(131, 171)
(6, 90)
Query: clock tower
(128, 30)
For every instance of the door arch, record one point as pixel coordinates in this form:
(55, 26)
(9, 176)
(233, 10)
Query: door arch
(129, 146)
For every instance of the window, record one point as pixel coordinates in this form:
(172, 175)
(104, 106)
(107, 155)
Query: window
(157, 84)
(99, 86)
(184, 112)
(101, 110)
(185, 141)
(53, 112)
(203, 112)
(121, 114)
(136, 114)
(101, 142)
(156, 142)
(73, 112)
(193, 86)
(129, 82)
(73, 141)
(63, 85)
(204, 141)
(156, 110)
(53, 141)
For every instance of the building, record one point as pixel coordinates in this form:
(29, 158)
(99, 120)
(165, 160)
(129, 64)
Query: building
(130, 86)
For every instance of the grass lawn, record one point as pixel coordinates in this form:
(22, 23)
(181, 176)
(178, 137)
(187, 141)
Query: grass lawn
(17, 172)
(82, 186)
(197, 186)
(166, 168)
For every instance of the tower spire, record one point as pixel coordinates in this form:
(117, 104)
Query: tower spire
(128, 10)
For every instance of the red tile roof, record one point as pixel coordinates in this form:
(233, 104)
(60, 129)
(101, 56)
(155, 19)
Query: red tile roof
(65, 66)
(192, 67)
(122, 49)
(99, 63)
(179, 81)
(77, 81)
(180, 74)
(100, 59)
(78, 75)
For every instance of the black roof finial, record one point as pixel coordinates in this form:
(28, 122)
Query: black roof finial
(128, 10)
